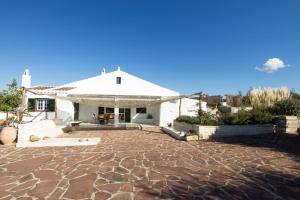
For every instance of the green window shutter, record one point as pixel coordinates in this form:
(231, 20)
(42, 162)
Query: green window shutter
(51, 105)
(31, 105)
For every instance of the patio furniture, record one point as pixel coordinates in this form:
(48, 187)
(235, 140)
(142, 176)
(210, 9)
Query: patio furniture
(101, 118)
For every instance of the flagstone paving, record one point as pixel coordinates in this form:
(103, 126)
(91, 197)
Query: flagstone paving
(151, 165)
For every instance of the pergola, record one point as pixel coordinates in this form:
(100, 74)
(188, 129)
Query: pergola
(116, 100)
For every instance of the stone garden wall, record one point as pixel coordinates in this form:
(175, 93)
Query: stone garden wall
(288, 124)
(206, 132)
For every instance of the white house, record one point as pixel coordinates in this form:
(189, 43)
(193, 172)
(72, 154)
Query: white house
(121, 96)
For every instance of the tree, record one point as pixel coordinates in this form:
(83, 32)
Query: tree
(10, 98)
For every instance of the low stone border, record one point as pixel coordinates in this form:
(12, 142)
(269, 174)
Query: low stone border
(206, 132)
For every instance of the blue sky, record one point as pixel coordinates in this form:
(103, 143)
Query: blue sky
(189, 46)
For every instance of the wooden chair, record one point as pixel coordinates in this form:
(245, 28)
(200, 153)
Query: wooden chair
(101, 118)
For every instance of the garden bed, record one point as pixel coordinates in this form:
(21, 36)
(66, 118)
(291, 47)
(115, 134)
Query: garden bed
(206, 132)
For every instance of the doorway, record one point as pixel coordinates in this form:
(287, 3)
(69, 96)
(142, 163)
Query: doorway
(76, 111)
(127, 115)
(124, 115)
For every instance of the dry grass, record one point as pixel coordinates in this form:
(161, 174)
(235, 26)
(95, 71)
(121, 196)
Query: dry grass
(268, 96)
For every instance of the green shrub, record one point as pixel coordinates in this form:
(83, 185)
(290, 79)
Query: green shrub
(188, 119)
(202, 119)
(261, 116)
(258, 115)
(287, 107)
(242, 117)
(207, 118)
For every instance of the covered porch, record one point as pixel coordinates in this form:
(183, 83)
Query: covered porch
(117, 110)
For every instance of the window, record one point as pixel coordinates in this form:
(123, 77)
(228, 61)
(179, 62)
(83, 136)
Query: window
(110, 110)
(100, 110)
(141, 110)
(118, 80)
(41, 104)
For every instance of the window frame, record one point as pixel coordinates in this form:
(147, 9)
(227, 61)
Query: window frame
(41, 104)
(118, 80)
(141, 110)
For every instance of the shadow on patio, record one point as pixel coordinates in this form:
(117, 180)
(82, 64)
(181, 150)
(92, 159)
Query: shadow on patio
(286, 143)
(250, 185)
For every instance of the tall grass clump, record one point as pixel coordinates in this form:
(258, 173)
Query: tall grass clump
(268, 96)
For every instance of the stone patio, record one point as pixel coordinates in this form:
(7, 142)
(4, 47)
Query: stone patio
(149, 164)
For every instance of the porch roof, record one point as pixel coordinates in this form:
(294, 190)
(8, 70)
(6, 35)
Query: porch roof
(117, 100)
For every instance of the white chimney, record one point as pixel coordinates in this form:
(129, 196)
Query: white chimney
(26, 79)
(103, 71)
(119, 68)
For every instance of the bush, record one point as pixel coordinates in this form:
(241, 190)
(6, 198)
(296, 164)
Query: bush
(203, 119)
(188, 119)
(207, 118)
(258, 115)
(242, 117)
(287, 107)
(261, 116)
(268, 96)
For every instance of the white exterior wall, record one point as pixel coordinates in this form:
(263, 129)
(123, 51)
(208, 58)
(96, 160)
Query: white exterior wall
(86, 113)
(37, 116)
(190, 107)
(141, 118)
(3, 115)
(168, 112)
(65, 110)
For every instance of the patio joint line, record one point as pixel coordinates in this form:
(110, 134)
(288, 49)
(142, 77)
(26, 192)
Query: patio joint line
(10, 153)
(238, 174)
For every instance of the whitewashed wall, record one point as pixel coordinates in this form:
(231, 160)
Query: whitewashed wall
(86, 113)
(3, 115)
(169, 111)
(141, 118)
(37, 116)
(190, 107)
(65, 110)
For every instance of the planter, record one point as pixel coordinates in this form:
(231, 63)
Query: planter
(206, 132)
(8, 135)
(191, 137)
(288, 124)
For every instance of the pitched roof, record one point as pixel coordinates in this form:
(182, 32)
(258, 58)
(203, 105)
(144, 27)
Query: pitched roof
(105, 84)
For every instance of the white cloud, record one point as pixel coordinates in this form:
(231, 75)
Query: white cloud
(272, 65)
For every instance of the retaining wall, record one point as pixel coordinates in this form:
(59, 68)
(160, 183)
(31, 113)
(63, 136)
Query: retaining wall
(206, 132)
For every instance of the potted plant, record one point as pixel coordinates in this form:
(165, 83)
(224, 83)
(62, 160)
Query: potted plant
(10, 101)
(191, 135)
(9, 132)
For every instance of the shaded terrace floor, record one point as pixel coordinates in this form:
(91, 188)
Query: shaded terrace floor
(144, 165)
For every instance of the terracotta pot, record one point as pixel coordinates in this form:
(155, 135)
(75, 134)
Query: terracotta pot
(8, 135)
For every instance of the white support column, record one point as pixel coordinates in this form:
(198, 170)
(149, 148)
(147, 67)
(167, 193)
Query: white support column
(116, 118)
